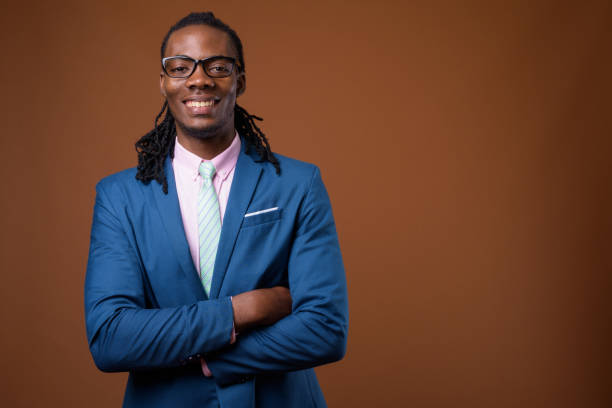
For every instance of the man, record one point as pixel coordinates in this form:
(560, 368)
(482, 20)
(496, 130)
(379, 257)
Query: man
(221, 282)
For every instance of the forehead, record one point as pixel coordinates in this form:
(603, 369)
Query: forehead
(199, 41)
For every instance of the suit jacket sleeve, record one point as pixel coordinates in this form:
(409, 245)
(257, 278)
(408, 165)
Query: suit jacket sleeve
(315, 333)
(123, 332)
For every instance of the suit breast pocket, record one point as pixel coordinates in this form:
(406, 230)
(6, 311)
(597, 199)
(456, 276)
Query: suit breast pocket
(265, 216)
(260, 254)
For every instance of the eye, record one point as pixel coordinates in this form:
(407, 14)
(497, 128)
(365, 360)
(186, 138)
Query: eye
(178, 66)
(219, 68)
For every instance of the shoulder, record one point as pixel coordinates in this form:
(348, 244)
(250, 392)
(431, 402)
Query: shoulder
(295, 164)
(296, 181)
(120, 180)
(123, 187)
(292, 169)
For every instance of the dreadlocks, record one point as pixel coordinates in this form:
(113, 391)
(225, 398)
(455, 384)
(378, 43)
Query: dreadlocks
(158, 143)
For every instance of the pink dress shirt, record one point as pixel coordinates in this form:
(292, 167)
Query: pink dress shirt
(188, 184)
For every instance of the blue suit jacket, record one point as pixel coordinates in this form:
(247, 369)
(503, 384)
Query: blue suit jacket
(147, 313)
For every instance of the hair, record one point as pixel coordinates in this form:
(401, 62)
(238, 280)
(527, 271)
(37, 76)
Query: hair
(154, 147)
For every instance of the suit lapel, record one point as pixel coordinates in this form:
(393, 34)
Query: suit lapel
(246, 177)
(170, 213)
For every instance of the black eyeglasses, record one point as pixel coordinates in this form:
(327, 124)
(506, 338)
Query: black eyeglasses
(182, 66)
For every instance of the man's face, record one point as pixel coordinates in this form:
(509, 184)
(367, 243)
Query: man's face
(189, 98)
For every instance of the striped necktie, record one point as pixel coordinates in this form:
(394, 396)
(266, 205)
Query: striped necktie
(209, 224)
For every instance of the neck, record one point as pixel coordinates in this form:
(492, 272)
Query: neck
(204, 145)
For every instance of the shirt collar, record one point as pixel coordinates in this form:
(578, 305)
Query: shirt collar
(224, 162)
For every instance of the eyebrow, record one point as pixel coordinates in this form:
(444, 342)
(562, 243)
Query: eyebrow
(212, 56)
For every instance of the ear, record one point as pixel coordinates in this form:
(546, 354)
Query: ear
(162, 83)
(240, 84)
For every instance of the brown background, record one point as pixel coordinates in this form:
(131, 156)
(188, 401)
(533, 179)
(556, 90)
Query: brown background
(465, 145)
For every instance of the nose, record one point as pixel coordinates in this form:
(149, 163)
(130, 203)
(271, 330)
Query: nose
(199, 78)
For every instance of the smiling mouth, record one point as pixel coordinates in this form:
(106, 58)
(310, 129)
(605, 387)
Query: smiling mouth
(200, 104)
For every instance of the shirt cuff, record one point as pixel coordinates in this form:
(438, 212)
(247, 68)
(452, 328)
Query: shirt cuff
(205, 370)
(233, 336)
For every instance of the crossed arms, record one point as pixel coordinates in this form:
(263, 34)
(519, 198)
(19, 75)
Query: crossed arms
(280, 330)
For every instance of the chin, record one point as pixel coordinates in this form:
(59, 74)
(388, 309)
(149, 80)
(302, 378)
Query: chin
(200, 132)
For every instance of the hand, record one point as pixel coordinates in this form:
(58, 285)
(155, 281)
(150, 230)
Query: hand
(260, 307)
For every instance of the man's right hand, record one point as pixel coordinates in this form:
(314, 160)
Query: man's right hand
(260, 307)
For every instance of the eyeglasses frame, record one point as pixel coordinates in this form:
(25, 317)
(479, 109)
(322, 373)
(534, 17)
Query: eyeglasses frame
(198, 62)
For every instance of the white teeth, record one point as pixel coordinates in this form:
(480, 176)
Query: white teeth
(200, 104)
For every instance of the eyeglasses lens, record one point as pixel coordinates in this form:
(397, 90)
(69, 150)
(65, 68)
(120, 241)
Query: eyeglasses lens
(179, 67)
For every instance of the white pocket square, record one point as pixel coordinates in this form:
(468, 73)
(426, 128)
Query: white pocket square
(267, 210)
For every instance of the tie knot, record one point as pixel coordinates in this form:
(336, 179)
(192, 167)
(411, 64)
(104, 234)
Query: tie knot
(207, 170)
